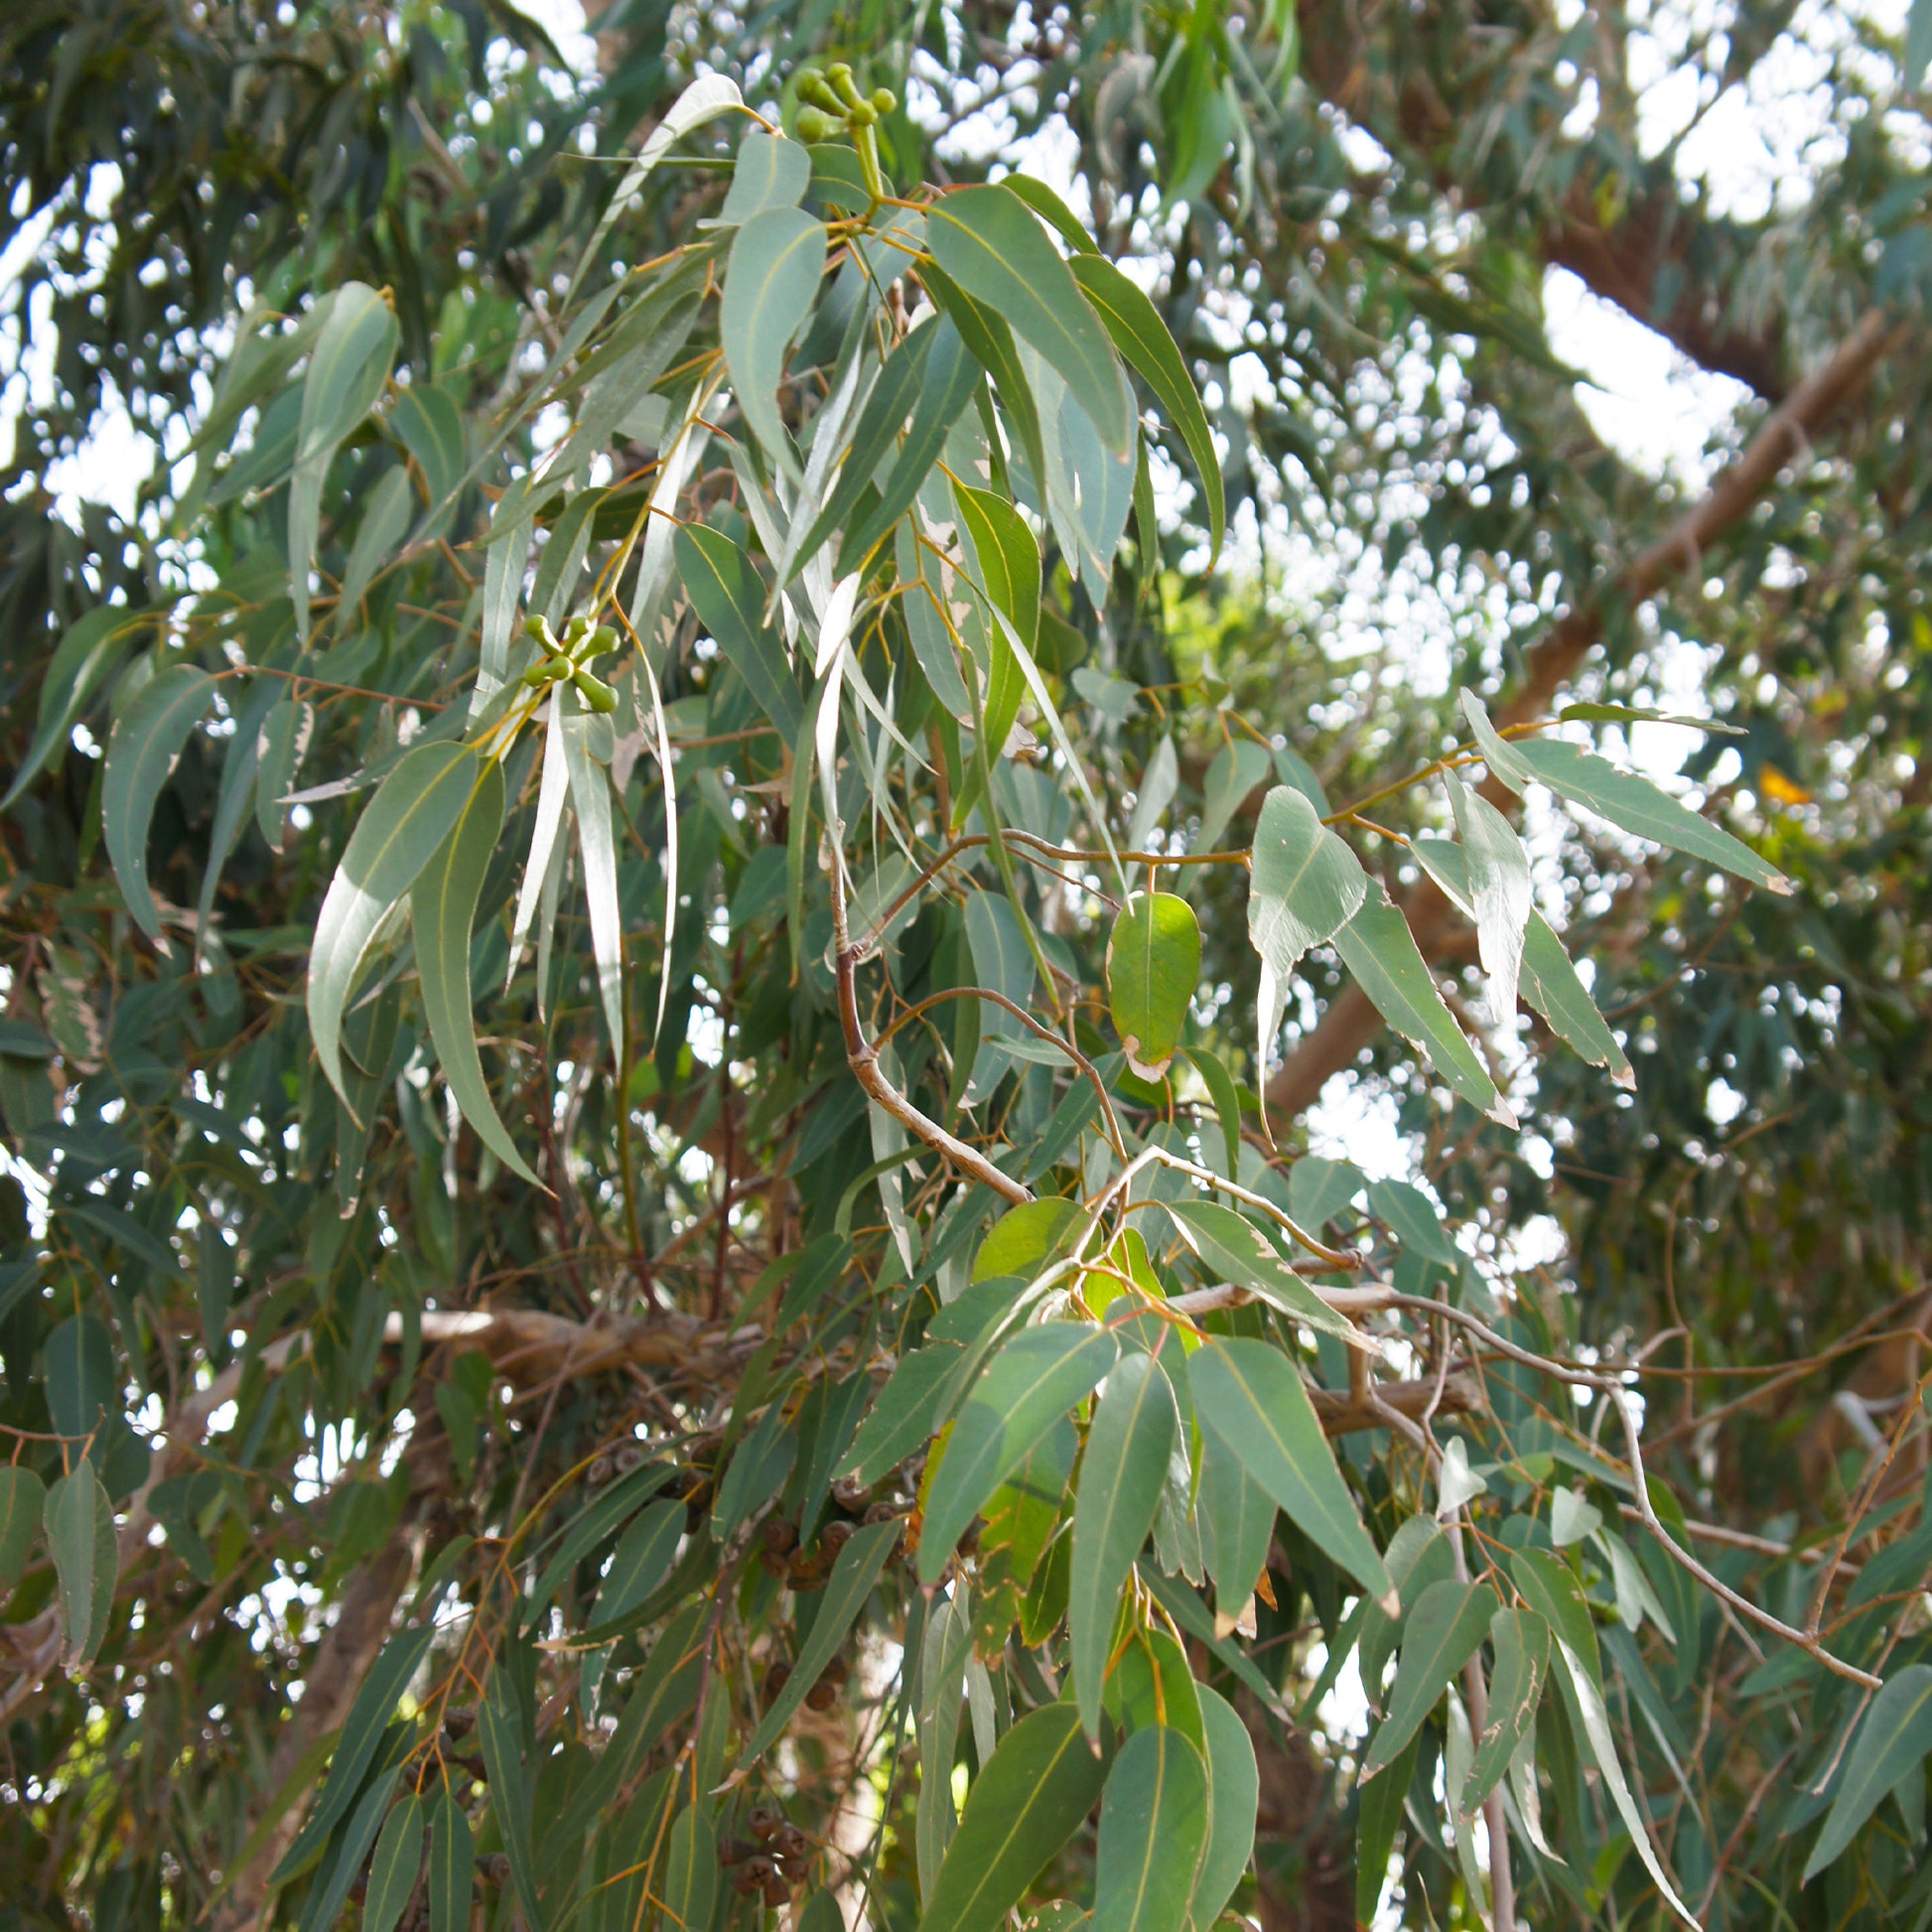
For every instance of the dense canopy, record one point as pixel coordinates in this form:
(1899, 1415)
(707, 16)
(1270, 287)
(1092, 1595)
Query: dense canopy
(917, 1006)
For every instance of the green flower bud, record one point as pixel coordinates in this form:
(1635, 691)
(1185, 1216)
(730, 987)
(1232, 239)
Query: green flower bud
(884, 100)
(537, 629)
(863, 114)
(817, 90)
(593, 691)
(603, 638)
(840, 75)
(815, 126)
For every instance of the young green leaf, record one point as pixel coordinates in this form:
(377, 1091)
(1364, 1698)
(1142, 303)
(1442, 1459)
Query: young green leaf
(771, 288)
(23, 1506)
(1304, 884)
(690, 1871)
(1248, 1396)
(1121, 1477)
(392, 1871)
(1521, 1642)
(1154, 1828)
(1234, 1794)
(1895, 1737)
(1499, 891)
(1378, 949)
(1152, 967)
(1141, 338)
(988, 241)
(452, 1865)
(147, 740)
(1441, 1634)
(442, 911)
(1035, 1379)
(1025, 1238)
(1026, 1802)
(401, 829)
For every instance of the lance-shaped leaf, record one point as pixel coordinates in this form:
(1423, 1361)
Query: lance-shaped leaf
(1029, 1799)
(1377, 1815)
(77, 1516)
(690, 1887)
(845, 1591)
(1499, 891)
(500, 1729)
(1152, 968)
(770, 172)
(552, 791)
(1238, 769)
(905, 1413)
(1894, 1738)
(771, 287)
(345, 376)
(392, 1871)
(989, 242)
(441, 912)
(1378, 949)
(1234, 1794)
(344, 1862)
(728, 595)
(383, 527)
(147, 740)
(1304, 884)
(590, 793)
(1248, 1395)
(1008, 555)
(400, 831)
(942, 1669)
(1237, 1521)
(1440, 1635)
(1032, 1381)
(1141, 337)
(23, 1505)
(1237, 1251)
(1154, 1828)
(451, 1879)
(1521, 1642)
(1121, 1477)
(990, 341)
(83, 660)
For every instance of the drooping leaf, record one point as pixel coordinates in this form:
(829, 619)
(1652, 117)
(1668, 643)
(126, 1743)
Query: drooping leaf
(1023, 1238)
(770, 172)
(1895, 1735)
(343, 1861)
(1239, 766)
(76, 1508)
(384, 525)
(1141, 338)
(985, 240)
(392, 1871)
(1234, 1795)
(1499, 891)
(990, 343)
(401, 829)
(441, 912)
(451, 1861)
(499, 1731)
(640, 1562)
(82, 1392)
(1121, 1477)
(1441, 1634)
(1026, 1802)
(1520, 1639)
(1304, 884)
(1154, 1830)
(1234, 1250)
(1035, 1379)
(728, 597)
(1415, 1218)
(771, 287)
(1248, 1395)
(690, 1871)
(590, 793)
(23, 1507)
(147, 740)
(1237, 1520)
(1008, 555)
(905, 1413)
(86, 657)
(1152, 967)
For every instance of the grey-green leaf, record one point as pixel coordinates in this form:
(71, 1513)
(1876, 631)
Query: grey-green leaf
(1035, 1379)
(399, 832)
(1235, 1251)
(1248, 1395)
(1237, 1519)
(1239, 766)
(1029, 1799)
(1121, 1476)
(728, 597)
(442, 911)
(1304, 883)
(989, 242)
(1552, 986)
(1154, 1828)
(1520, 1639)
(690, 1871)
(1499, 891)
(905, 1413)
(1895, 1735)
(770, 286)
(1441, 1634)
(770, 172)
(76, 1510)
(1234, 1795)
(392, 1871)
(82, 661)
(147, 740)
(23, 1505)
(1152, 968)
(451, 1861)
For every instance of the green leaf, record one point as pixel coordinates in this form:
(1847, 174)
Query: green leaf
(1413, 1215)
(1626, 713)
(690, 1871)
(384, 525)
(1918, 46)
(429, 425)
(1121, 1477)
(1227, 1104)
(1318, 1189)
(948, 1643)
(771, 287)
(1142, 338)
(1035, 1379)
(1378, 949)
(1029, 1799)
(399, 832)
(728, 595)
(326, 1896)
(1237, 1519)
(588, 1528)
(442, 911)
(346, 371)
(1521, 1642)
(1248, 1395)
(905, 1413)
(1153, 1827)
(147, 740)
(499, 1731)
(1054, 211)
(1440, 1635)
(1235, 1250)
(640, 1562)
(86, 657)
(770, 172)
(75, 1513)
(1377, 1814)
(1239, 766)
(1894, 1738)
(845, 1593)
(368, 1716)
(452, 1866)
(1304, 884)
(1499, 891)
(81, 1393)
(988, 241)
(990, 343)
(1025, 1238)
(23, 1506)
(392, 1871)
(1152, 968)
(590, 791)
(1008, 555)
(282, 739)
(1234, 1795)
